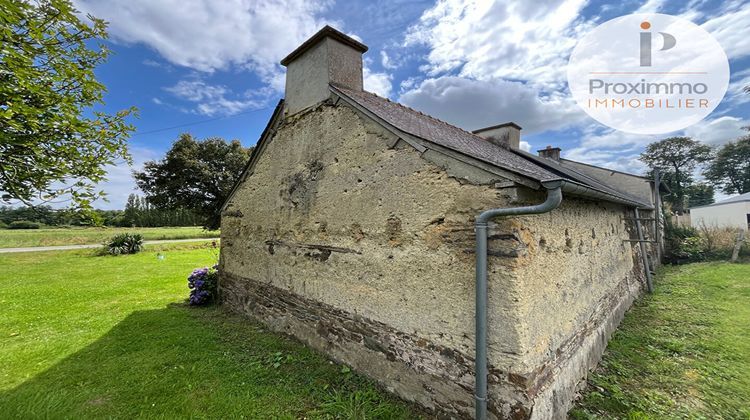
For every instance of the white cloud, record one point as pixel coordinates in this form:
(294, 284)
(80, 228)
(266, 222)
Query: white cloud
(498, 61)
(408, 84)
(378, 83)
(210, 35)
(518, 40)
(212, 100)
(386, 61)
(736, 90)
(718, 131)
(473, 104)
(730, 28)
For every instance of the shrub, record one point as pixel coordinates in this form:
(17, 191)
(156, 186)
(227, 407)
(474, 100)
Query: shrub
(125, 243)
(202, 283)
(719, 241)
(685, 244)
(24, 224)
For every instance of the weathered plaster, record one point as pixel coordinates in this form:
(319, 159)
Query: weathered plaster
(309, 75)
(347, 238)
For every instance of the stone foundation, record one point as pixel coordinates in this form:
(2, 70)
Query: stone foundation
(436, 377)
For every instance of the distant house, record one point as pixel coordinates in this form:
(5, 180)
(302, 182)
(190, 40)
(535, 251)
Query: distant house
(353, 229)
(733, 213)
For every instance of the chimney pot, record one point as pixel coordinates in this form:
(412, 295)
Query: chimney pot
(550, 153)
(328, 57)
(506, 135)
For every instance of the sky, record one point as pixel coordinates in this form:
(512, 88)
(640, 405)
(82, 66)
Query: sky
(211, 68)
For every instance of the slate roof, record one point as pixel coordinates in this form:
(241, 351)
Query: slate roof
(441, 133)
(736, 199)
(579, 176)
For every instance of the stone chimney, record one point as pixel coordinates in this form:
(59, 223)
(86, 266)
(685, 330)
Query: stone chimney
(550, 153)
(328, 57)
(506, 135)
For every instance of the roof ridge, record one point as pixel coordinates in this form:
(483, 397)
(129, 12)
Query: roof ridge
(416, 111)
(423, 114)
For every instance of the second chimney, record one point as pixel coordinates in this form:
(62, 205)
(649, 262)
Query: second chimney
(328, 57)
(550, 153)
(507, 135)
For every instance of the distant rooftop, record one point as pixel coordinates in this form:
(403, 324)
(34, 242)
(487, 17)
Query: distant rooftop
(735, 199)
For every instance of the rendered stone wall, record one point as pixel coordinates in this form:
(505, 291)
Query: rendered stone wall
(366, 252)
(575, 283)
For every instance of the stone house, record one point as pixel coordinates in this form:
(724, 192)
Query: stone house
(353, 229)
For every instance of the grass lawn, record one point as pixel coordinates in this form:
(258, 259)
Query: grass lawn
(683, 352)
(86, 336)
(18, 238)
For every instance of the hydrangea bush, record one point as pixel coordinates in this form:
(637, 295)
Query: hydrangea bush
(202, 283)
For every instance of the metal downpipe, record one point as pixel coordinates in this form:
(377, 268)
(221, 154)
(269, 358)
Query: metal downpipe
(554, 198)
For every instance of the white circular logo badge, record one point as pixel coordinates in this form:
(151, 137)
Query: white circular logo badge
(648, 73)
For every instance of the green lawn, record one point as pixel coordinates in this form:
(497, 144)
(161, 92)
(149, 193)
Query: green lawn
(85, 336)
(17, 238)
(683, 352)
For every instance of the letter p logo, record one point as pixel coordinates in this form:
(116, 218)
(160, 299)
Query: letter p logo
(669, 42)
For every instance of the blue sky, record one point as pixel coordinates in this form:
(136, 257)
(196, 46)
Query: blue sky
(211, 67)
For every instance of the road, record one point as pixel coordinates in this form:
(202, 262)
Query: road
(66, 247)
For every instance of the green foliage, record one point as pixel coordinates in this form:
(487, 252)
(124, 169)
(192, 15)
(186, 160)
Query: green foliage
(23, 224)
(358, 405)
(730, 169)
(681, 353)
(685, 244)
(196, 175)
(677, 157)
(40, 214)
(139, 212)
(51, 142)
(682, 244)
(699, 194)
(125, 243)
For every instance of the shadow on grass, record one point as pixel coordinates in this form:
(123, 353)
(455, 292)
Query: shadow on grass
(197, 362)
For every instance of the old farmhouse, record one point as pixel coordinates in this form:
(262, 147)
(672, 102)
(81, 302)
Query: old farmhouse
(353, 229)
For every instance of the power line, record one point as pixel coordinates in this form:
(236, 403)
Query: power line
(159, 130)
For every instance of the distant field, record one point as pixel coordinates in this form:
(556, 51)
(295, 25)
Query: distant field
(82, 236)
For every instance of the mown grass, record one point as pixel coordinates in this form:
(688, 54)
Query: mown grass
(18, 238)
(683, 352)
(85, 336)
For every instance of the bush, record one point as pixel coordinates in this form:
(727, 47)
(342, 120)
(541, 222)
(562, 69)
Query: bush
(24, 224)
(125, 243)
(719, 242)
(685, 244)
(203, 283)
(680, 244)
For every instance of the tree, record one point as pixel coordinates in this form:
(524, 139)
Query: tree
(730, 169)
(196, 175)
(131, 214)
(699, 194)
(52, 143)
(677, 157)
